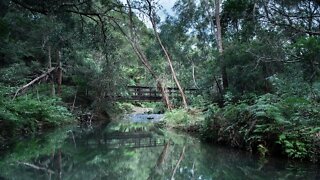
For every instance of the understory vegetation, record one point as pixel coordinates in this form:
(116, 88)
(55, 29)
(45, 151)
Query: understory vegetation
(26, 115)
(267, 125)
(188, 120)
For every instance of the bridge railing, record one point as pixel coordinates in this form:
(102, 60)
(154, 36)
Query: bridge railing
(144, 93)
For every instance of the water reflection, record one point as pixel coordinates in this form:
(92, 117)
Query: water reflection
(128, 150)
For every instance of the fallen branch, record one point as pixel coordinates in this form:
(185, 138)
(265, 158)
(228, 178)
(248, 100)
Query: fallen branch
(34, 81)
(36, 167)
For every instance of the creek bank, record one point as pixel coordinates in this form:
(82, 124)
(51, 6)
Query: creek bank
(238, 127)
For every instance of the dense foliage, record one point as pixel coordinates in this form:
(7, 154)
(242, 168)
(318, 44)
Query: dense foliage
(270, 122)
(28, 114)
(76, 63)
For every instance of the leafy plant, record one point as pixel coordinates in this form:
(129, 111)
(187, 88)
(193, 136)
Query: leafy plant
(26, 114)
(269, 122)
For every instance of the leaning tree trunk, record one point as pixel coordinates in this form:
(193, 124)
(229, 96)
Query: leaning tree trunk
(160, 85)
(132, 39)
(219, 43)
(154, 26)
(183, 96)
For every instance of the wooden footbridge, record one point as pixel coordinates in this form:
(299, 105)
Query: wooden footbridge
(145, 93)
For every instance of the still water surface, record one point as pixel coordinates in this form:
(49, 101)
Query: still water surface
(134, 148)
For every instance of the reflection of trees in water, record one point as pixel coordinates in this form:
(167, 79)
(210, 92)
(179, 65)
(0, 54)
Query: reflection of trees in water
(157, 170)
(92, 154)
(202, 161)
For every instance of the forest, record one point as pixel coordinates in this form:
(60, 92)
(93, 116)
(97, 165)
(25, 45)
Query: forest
(253, 67)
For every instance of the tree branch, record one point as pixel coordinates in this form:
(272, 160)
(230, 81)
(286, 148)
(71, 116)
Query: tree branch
(24, 87)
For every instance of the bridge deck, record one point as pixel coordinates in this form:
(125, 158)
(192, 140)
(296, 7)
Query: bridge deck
(144, 93)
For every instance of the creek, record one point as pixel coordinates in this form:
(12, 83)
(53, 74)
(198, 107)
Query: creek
(135, 147)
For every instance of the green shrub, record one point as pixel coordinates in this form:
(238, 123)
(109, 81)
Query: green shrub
(125, 107)
(270, 122)
(186, 120)
(159, 108)
(198, 101)
(177, 116)
(26, 114)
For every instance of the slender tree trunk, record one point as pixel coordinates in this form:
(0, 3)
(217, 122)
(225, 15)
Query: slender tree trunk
(213, 31)
(74, 101)
(142, 57)
(267, 87)
(154, 26)
(218, 24)
(183, 96)
(59, 164)
(53, 90)
(164, 93)
(160, 85)
(194, 76)
(219, 43)
(59, 73)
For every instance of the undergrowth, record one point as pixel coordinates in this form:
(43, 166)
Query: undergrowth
(188, 120)
(27, 114)
(268, 125)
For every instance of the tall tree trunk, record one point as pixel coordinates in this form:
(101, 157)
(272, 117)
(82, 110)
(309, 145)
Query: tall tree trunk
(59, 73)
(134, 43)
(59, 163)
(219, 43)
(53, 90)
(267, 87)
(213, 31)
(194, 77)
(160, 85)
(183, 96)
(164, 93)
(154, 26)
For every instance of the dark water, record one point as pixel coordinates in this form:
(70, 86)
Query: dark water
(137, 150)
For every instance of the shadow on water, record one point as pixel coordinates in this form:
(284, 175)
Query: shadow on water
(135, 149)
